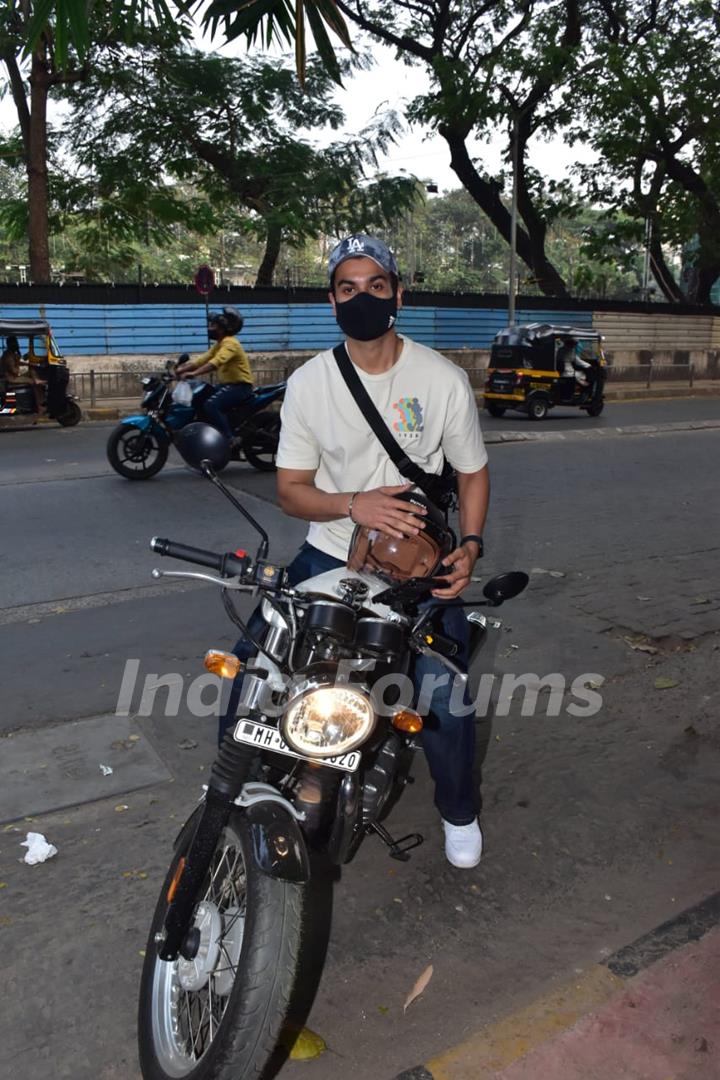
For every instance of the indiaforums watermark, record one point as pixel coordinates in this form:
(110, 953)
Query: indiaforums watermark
(173, 694)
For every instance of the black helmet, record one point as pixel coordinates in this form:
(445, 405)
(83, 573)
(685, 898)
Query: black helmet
(201, 442)
(412, 556)
(229, 320)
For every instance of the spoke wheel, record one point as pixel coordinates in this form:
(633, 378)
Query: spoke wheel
(136, 454)
(219, 1014)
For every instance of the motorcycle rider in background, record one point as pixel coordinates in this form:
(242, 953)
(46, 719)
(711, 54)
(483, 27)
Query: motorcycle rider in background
(333, 473)
(228, 358)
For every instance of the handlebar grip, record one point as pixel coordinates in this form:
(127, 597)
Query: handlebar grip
(226, 564)
(444, 645)
(188, 554)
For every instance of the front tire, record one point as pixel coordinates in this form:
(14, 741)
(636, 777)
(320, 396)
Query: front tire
(136, 454)
(596, 408)
(219, 1017)
(260, 444)
(495, 410)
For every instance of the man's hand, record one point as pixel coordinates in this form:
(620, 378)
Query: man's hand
(462, 560)
(377, 509)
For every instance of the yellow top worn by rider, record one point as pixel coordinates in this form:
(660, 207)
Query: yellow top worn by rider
(228, 358)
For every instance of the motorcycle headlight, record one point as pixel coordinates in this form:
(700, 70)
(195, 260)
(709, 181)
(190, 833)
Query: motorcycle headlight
(328, 721)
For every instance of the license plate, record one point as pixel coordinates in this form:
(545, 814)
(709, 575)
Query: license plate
(269, 738)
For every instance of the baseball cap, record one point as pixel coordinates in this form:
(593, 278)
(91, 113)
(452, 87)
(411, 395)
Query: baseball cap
(359, 245)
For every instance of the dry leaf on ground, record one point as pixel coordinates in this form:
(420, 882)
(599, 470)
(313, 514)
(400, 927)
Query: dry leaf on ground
(306, 1046)
(419, 986)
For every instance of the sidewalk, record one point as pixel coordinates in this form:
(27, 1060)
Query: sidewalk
(114, 408)
(650, 1012)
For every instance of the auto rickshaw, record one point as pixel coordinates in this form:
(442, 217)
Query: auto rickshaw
(536, 366)
(33, 377)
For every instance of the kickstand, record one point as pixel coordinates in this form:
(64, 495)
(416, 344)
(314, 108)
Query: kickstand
(398, 848)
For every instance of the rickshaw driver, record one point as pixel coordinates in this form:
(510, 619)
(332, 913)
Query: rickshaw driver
(10, 363)
(569, 364)
(229, 359)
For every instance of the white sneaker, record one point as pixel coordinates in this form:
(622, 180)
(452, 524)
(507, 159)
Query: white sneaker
(463, 844)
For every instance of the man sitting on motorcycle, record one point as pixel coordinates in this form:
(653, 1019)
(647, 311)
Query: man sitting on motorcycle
(334, 473)
(229, 359)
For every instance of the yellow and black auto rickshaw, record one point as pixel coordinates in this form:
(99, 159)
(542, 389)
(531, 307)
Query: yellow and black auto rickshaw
(33, 375)
(536, 366)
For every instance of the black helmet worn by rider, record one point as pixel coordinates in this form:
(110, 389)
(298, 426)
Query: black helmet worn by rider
(399, 558)
(225, 322)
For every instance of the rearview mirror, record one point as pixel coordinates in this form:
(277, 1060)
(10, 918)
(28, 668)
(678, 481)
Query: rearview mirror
(505, 586)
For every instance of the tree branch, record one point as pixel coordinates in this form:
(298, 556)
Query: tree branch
(17, 87)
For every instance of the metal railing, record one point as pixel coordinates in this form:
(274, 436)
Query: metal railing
(93, 386)
(654, 372)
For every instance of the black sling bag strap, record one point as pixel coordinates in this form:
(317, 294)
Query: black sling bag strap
(430, 485)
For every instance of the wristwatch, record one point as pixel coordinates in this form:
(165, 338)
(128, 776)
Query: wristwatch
(476, 540)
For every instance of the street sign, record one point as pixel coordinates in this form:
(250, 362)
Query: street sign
(204, 280)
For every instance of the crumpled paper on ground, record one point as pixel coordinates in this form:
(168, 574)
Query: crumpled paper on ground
(38, 849)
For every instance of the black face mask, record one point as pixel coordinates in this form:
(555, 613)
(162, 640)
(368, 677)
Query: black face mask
(366, 317)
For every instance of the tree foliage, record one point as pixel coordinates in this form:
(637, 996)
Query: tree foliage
(233, 129)
(638, 81)
(648, 107)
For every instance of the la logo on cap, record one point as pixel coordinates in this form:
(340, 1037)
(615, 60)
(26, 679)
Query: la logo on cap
(355, 244)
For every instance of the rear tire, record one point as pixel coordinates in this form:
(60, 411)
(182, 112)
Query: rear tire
(260, 444)
(538, 408)
(254, 929)
(71, 416)
(136, 454)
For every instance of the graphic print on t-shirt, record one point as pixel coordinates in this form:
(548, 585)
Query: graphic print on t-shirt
(411, 419)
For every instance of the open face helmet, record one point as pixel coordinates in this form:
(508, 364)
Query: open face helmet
(400, 558)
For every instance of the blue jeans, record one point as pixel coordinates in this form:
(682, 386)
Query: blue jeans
(227, 397)
(448, 740)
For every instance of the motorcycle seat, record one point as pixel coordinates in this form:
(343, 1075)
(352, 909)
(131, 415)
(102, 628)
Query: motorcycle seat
(271, 389)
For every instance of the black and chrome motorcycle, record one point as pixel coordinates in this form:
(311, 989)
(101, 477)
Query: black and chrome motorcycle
(312, 765)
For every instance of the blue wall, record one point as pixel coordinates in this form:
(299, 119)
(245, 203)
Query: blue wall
(106, 329)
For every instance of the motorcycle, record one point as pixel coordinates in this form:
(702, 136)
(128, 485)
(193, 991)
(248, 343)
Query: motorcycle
(312, 766)
(138, 447)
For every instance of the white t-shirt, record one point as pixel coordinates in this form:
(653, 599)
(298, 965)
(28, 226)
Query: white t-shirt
(425, 400)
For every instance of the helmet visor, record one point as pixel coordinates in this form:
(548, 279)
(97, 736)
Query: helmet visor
(398, 558)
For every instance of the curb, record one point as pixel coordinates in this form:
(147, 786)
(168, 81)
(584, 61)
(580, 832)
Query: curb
(513, 1037)
(598, 433)
(101, 413)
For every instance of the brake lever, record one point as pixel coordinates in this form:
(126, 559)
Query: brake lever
(196, 575)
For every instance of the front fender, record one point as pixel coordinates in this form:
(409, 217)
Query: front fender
(143, 422)
(278, 845)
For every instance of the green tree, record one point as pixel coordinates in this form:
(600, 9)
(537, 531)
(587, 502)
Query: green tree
(649, 109)
(30, 77)
(231, 128)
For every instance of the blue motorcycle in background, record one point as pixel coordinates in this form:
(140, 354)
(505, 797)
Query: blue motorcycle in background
(138, 447)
